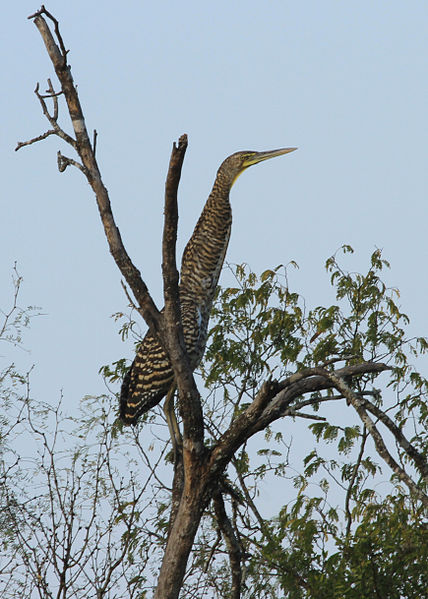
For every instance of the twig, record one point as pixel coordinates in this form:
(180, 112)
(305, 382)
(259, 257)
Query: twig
(50, 16)
(130, 300)
(56, 129)
(339, 359)
(34, 140)
(64, 161)
(213, 550)
(295, 414)
(54, 95)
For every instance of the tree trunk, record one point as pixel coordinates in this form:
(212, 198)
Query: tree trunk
(180, 540)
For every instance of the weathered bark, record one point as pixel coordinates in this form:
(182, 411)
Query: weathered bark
(180, 542)
(275, 400)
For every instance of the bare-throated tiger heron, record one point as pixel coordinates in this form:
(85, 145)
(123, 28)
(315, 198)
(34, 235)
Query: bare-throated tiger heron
(150, 376)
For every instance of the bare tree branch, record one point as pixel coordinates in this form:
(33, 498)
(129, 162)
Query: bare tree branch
(22, 144)
(381, 448)
(89, 166)
(190, 403)
(232, 544)
(64, 161)
(53, 119)
(295, 414)
(274, 400)
(410, 449)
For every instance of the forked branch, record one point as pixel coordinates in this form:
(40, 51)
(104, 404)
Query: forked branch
(88, 164)
(190, 404)
(168, 327)
(278, 399)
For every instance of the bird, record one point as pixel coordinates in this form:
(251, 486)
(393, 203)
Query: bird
(150, 377)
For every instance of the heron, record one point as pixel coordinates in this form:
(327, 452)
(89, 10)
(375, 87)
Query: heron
(150, 377)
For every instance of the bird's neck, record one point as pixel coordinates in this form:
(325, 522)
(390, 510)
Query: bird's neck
(204, 254)
(217, 207)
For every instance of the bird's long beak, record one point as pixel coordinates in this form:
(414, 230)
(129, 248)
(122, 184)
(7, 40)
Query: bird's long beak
(260, 156)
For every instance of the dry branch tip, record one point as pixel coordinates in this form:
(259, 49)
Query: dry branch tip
(64, 161)
(39, 15)
(94, 143)
(182, 142)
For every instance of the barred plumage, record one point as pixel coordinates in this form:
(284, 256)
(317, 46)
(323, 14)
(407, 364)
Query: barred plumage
(150, 376)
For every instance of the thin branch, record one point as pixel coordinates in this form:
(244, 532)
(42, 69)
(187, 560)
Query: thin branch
(22, 144)
(295, 414)
(50, 16)
(381, 448)
(56, 129)
(339, 359)
(266, 530)
(352, 482)
(94, 142)
(214, 547)
(17, 282)
(232, 544)
(53, 118)
(54, 95)
(410, 449)
(130, 300)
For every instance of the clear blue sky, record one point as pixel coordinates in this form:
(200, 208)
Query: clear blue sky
(346, 82)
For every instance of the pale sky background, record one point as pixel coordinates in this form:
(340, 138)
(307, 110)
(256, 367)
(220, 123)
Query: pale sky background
(344, 81)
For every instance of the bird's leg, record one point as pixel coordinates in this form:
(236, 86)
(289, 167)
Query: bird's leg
(171, 419)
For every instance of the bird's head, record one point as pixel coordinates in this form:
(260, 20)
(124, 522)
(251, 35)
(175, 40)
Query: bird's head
(237, 163)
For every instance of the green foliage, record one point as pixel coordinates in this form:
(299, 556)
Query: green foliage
(386, 556)
(256, 332)
(254, 323)
(345, 528)
(372, 325)
(337, 537)
(306, 556)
